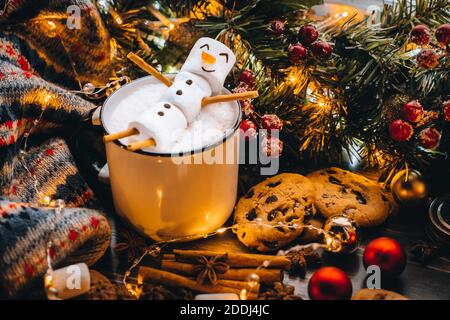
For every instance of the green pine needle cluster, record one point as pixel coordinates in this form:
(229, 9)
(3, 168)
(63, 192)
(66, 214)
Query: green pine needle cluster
(330, 108)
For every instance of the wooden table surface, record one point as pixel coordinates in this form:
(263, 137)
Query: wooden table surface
(417, 282)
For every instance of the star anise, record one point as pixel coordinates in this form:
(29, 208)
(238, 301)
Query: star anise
(301, 259)
(279, 292)
(131, 243)
(208, 269)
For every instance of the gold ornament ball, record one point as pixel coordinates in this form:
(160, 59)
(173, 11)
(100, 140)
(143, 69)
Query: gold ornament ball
(341, 234)
(409, 188)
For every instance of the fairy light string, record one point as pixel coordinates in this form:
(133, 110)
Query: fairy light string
(333, 242)
(90, 91)
(52, 292)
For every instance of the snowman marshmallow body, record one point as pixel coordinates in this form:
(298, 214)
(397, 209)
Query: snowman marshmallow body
(202, 75)
(187, 92)
(163, 122)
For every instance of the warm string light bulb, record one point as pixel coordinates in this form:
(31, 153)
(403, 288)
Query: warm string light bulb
(51, 29)
(58, 205)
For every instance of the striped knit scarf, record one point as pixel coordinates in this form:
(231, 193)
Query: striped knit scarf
(37, 120)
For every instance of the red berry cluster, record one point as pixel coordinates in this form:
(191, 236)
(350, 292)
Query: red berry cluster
(421, 35)
(270, 145)
(246, 82)
(413, 113)
(307, 37)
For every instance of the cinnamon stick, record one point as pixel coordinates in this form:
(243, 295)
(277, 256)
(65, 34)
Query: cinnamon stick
(267, 276)
(239, 260)
(175, 280)
(238, 285)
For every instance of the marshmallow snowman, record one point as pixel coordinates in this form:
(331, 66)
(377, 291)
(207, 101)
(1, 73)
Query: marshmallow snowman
(163, 122)
(211, 60)
(202, 75)
(187, 93)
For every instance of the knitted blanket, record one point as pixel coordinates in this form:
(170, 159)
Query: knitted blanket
(41, 60)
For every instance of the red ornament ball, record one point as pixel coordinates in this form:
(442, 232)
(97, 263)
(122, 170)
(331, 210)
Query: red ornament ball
(308, 34)
(443, 34)
(247, 78)
(321, 50)
(330, 283)
(297, 53)
(446, 109)
(271, 122)
(420, 35)
(248, 129)
(400, 130)
(277, 26)
(428, 59)
(429, 138)
(272, 147)
(387, 254)
(413, 111)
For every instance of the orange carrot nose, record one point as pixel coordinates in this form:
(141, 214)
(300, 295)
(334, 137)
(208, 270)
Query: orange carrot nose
(207, 58)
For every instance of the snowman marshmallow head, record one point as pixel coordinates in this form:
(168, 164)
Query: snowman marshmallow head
(211, 60)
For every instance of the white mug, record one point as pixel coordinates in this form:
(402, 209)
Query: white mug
(162, 198)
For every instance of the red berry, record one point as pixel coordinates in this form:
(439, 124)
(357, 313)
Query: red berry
(321, 50)
(271, 122)
(413, 111)
(248, 129)
(429, 138)
(308, 34)
(443, 34)
(272, 147)
(297, 53)
(420, 35)
(446, 106)
(400, 130)
(247, 78)
(277, 26)
(428, 59)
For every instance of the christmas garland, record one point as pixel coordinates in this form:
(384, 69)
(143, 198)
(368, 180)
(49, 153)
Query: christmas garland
(338, 87)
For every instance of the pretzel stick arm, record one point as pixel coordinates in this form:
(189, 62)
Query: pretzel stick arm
(120, 135)
(141, 144)
(148, 68)
(230, 97)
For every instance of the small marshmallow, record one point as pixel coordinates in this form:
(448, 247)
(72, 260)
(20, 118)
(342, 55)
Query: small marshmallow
(163, 122)
(187, 93)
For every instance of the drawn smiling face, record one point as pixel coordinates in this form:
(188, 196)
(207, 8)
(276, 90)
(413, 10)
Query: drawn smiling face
(211, 60)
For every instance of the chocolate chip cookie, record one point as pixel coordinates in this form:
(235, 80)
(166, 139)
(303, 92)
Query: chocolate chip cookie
(377, 294)
(339, 191)
(272, 213)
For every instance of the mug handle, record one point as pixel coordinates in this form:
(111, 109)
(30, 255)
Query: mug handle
(95, 119)
(103, 175)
